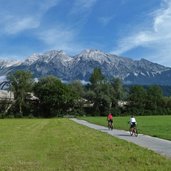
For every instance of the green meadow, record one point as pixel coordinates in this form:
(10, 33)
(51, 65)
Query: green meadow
(61, 144)
(157, 126)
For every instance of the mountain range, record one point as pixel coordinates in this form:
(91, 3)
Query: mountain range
(81, 66)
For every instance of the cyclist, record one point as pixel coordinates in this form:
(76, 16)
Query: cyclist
(132, 123)
(110, 120)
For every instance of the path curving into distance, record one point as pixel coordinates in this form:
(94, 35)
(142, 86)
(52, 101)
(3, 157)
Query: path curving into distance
(158, 145)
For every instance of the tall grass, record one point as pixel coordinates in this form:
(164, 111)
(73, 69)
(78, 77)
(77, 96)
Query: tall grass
(61, 144)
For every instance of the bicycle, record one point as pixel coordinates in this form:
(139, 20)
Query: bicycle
(110, 125)
(133, 131)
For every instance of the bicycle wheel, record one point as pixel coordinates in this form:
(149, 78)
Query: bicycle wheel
(111, 126)
(131, 132)
(136, 132)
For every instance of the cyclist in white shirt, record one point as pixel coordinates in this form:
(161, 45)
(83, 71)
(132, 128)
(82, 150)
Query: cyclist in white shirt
(132, 122)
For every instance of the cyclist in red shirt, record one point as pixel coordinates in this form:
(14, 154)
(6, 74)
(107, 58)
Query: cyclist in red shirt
(110, 121)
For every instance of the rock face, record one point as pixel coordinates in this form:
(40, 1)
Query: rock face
(81, 66)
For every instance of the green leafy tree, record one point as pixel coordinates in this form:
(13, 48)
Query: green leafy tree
(77, 87)
(118, 88)
(21, 83)
(96, 77)
(118, 93)
(79, 92)
(55, 97)
(154, 97)
(103, 92)
(137, 98)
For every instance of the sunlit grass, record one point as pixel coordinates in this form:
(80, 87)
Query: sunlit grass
(61, 144)
(158, 126)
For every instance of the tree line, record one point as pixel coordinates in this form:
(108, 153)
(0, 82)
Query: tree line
(49, 97)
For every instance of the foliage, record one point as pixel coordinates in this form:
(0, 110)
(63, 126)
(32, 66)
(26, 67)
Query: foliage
(96, 77)
(149, 100)
(77, 87)
(3, 106)
(118, 88)
(102, 99)
(137, 99)
(55, 97)
(21, 83)
(97, 98)
(105, 94)
(154, 97)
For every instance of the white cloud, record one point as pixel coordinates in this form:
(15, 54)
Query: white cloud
(28, 16)
(105, 20)
(157, 38)
(135, 40)
(60, 38)
(18, 25)
(65, 37)
(82, 6)
(56, 35)
(47, 4)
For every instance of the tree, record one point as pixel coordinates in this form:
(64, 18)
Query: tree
(137, 98)
(77, 88)
(55, 97)
(96, 77)
(102, 97)
(154, 97)
(21, 85)
(118, 88)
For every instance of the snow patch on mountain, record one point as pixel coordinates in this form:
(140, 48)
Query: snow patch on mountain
(81, 66)
(30, 60)
(9, 63)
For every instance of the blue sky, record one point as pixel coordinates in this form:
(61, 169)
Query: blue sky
(131, 28)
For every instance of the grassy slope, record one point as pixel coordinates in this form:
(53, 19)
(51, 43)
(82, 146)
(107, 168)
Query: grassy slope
(60, 144)
(158, 126)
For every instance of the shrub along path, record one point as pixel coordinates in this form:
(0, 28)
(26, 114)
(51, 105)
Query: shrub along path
(158, 145)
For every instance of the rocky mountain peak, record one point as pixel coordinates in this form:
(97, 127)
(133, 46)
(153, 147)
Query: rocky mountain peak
(8, 63)
(80, 67)
(149, 66)
(92, 53)
(54, 55)
(30, 60)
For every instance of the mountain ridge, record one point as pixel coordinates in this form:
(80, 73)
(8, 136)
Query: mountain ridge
(81, 66)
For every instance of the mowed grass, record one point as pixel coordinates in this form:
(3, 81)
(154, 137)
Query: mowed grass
(62, 145)
(157, 126)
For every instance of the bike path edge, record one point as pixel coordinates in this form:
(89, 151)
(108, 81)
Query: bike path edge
(158, 145)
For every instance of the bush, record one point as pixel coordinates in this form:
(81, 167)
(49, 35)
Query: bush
(2, 115)
(18, 115)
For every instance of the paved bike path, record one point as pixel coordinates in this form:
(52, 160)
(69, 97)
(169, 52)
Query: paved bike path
(158, 145)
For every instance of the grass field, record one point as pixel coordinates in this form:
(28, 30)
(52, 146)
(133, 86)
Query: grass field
(157, 126)
(60, 144)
